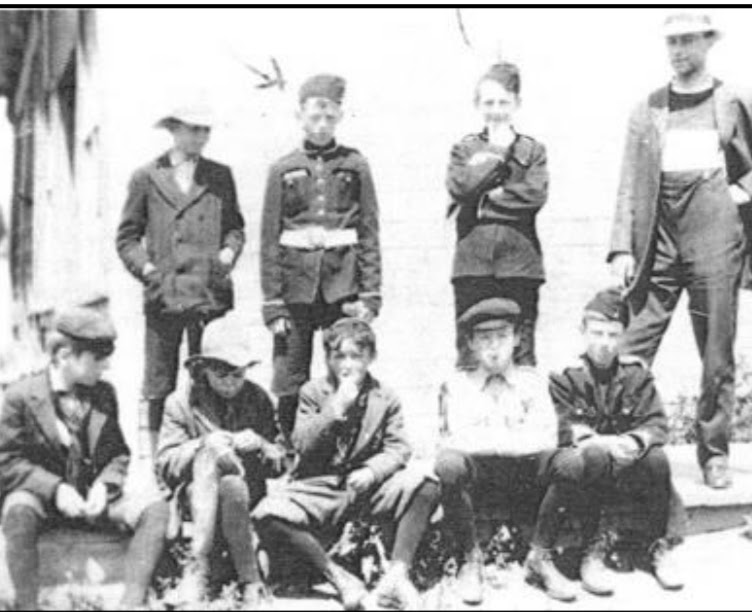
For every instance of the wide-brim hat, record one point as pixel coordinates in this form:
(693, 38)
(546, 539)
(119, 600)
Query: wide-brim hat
(689, 23)
(222, 344)
(201, 115)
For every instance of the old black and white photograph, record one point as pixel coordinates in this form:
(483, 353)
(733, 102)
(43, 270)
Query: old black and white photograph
(384, 308)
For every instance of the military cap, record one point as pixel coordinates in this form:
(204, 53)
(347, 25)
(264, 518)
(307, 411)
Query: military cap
(505, 74)
(329, 86)
(86, 325)
(689, 23)
(492, 309)
(610, 305)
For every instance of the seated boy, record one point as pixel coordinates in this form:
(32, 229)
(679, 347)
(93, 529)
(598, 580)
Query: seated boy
(610, 412)
(498, 433)
(216, 449)
(64, 460)
(352, 451)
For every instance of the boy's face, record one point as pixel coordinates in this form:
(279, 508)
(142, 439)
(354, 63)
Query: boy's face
(349, 361)
(86, 368)
(688, 53)
(602, 340)
(190, 139)
(495, 103)
(493, 343)
(319, 118)
(225, 380)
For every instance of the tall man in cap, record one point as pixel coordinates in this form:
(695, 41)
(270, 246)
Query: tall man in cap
(498, 438)
(687, 167)
(63, 459)
(217, 447)
(610, 413)
(320, 257)
(181, 233)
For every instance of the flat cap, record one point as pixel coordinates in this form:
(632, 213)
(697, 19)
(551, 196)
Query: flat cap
(328, 86)
(492, 309)
(85, 324)
(609, 305)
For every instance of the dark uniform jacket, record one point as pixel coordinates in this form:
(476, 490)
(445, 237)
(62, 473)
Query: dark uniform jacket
(374, 437)
(636, 219)
(182, 236)
(628, 404)
(33, 456)
(185, 426)
(329, 188)
(496, 234)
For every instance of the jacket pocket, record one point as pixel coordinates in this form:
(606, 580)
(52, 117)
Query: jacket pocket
(154, 289)
(346, 188)
(295, 191)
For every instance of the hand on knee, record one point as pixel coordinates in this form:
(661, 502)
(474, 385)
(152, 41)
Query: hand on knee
(452, 469)
(596, 463)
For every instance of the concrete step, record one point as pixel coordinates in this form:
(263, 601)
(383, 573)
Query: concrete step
(710, 510)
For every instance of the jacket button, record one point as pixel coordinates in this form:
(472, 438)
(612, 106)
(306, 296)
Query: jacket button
(321, 182)
(320, 199)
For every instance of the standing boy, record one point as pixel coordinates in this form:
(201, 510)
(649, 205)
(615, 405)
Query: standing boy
(181, 233)
(320, 257)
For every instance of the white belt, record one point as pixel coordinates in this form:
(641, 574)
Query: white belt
(314, 237)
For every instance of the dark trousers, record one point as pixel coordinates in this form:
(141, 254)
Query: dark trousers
(534, 485)
(280, 534)
(293, 354)
(699, 248)
(646, 483)
(164, 336)
(469, 290)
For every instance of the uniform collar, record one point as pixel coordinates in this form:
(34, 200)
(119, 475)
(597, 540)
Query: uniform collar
(326, 152)
(599, 374)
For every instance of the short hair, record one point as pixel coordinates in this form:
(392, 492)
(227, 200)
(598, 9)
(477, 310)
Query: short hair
(353, 329)
(57, 340)
(505, 74)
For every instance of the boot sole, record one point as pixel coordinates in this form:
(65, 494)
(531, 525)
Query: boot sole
(670, 587)
(537, 582)
(596, 592)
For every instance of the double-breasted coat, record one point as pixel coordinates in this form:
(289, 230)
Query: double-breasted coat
(181, 234)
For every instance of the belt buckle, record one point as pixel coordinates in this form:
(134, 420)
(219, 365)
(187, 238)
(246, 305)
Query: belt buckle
(316, 237)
